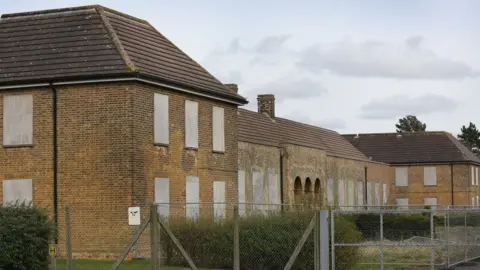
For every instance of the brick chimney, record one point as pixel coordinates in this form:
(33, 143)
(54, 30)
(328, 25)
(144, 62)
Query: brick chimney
(266, 104)
(232, 87)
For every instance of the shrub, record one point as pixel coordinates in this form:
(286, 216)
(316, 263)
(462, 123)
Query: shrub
(266, 242)
(24, 235)
(395, 226)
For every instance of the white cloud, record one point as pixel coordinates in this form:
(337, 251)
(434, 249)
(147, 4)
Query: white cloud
(287, 88)
(328, 123)
(381, 59)
(400, 105)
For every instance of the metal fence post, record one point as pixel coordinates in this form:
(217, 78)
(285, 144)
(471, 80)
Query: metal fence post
(332, 237)
(432, 237)
(381, 242)
(316, 241)
(154, 237)
(324, 249)
(68, 238)
(236, 239)
(466, 236)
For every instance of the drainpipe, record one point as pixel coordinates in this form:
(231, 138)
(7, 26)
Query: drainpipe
(55, 158)
(451, 181)
(281, 179)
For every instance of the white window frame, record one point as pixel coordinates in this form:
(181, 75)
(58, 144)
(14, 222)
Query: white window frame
(429, 176)
(403, 205)
(14, 188)
(401, 177)
(218, 129)
(191, 124)
(17, 120)
(161, 119)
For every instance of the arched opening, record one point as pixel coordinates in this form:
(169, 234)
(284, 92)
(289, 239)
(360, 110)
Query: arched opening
(308, 185)
(317, 193)
(297, 186)
(317, 186)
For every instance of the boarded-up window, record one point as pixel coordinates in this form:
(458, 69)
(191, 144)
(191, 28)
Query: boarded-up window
(360, 193)
(477, 200)
(402, 203)
(431, 202)
(241, 192)
(17, 191)
(218, 129)
(369, 194)
(385, 194)
(219, 199)
(162, 196)
(341, 194)
(473, 175)
(330, 191)
(192, 197)
(161, 129)
(430, 176)
(401, 177)
(351, 194)
(18, 120)
(476, 176)
(473, 201)
(191, 124)
(257, 192)
(273, 190)
(377, 194)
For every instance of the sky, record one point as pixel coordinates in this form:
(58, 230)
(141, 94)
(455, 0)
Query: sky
(351, 66)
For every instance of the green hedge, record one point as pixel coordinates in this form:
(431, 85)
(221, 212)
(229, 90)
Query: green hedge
(24, 235)
(395, 226)
(265, 242)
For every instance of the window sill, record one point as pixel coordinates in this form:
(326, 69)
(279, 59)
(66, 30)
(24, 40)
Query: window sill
(191, 148)
(161, 144)
(218, 152)
(19, 146)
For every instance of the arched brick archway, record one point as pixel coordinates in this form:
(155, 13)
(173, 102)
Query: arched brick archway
(298, 190)
(317, 191)
(308, 185)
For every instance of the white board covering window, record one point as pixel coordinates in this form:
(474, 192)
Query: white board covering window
(191, 124)
(430, 202)
(330, 191)
(369, 194)
(360, 193)
(430, 176)
(402, 203)
(477, 197)
(162, 196)
(273, 190)
(161, 128)
(377, 194)
(473, 175)
(18, 120)
(192, 197)
(351, 194)
(473, 201)
(218, 120)
(341, 194)
(401, 177)
(17, 191)
(219, 199)
(476, 176)
(257, 192)
(241, 193)
(385, 196)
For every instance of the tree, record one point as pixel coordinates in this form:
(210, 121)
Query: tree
(410, 123)
(470, 137)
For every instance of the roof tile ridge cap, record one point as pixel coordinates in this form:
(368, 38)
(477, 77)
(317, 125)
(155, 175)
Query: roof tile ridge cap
(193, 60)
(116, 41)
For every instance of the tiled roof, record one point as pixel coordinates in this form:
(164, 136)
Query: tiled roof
(92, 42)
(260, 129)
(417, 147)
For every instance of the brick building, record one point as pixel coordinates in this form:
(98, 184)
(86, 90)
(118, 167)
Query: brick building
(431, 168)
(286, 161)
(100, 112)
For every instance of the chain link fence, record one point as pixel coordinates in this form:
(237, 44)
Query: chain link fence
(415, 236)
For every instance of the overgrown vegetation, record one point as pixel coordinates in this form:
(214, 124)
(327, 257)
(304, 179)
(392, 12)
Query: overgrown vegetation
(266, 242)
(24, 235)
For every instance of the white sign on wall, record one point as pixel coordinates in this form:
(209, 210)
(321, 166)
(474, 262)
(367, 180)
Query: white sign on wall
(134, 216)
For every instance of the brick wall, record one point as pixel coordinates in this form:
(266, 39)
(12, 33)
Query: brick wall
(416, 192)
